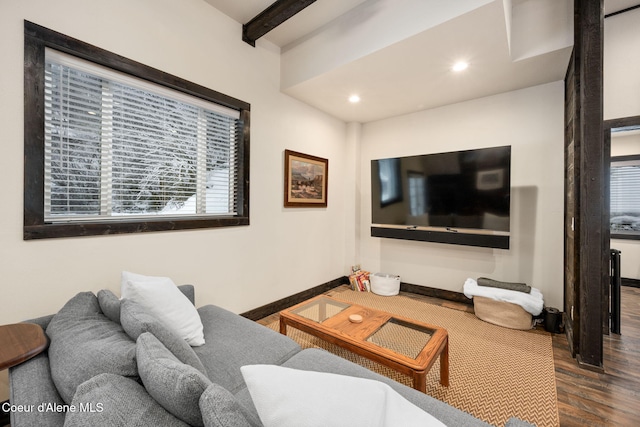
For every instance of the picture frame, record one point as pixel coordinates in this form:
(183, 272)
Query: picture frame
(305, 180)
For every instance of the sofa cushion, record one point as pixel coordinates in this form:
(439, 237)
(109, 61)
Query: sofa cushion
(517, 422)
(137, 320)
(109, 304)
(173, 384)
(161, 297)
(109, 400)
(288, 397)
(85, 343)
(234, 341)
(221, 409)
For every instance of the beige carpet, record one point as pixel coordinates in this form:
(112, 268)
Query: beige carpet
(495, 372)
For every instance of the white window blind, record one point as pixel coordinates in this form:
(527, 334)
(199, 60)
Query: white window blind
(625, 196)
(117, 147)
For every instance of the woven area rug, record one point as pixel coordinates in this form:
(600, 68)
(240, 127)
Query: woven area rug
(495, 373)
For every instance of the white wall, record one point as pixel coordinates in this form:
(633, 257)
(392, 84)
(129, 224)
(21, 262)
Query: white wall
(622, 99)
(282, 252)
(531, 121)
(621, 72)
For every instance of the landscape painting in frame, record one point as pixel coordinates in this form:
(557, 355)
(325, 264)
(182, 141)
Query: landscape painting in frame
(305, 180)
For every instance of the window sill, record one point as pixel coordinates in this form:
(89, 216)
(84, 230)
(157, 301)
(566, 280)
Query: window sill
(50, 231)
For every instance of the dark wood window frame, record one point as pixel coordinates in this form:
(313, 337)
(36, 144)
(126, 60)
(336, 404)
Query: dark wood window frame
(37, 38)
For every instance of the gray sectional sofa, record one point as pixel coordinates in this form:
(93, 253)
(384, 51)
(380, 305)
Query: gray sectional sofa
(110, 363)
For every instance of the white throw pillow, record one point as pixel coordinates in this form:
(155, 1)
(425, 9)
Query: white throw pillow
(286, 397)
(162, 298)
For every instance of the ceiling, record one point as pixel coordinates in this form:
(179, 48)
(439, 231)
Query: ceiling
(397, 54)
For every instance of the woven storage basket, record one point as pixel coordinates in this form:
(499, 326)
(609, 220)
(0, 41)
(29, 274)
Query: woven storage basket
(502, 313)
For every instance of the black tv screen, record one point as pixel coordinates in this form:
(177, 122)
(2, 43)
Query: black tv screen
(461, 190)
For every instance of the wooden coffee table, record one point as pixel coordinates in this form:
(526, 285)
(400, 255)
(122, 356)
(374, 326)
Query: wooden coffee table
(405, 345)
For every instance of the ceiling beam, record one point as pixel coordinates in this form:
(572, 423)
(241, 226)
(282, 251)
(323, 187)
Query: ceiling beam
(271, 17)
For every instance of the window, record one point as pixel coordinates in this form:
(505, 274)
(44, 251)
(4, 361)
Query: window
(390, 182)
(113, 146)
(417, 193)
(625, 197)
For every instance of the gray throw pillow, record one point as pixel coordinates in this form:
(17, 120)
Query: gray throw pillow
(85, 343)
(136, 320)
(109, 400)
(176, 386)
(109, 304)
(221, 409)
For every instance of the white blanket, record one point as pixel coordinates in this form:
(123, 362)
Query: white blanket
(531, 302)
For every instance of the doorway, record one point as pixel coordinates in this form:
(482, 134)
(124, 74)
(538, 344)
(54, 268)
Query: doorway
(622, 143)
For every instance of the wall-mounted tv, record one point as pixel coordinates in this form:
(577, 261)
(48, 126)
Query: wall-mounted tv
(431, 196)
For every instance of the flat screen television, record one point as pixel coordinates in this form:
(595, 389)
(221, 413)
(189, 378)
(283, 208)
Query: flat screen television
(463, 191)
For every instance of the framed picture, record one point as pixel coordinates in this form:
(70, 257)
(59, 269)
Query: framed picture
(305, 180)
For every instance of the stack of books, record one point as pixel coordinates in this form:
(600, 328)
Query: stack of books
(359, 279)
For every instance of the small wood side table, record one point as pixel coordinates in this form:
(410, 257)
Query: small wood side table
(20, 342)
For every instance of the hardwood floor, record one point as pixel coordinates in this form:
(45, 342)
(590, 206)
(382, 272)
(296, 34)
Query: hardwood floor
(587, 398)
(611, 398)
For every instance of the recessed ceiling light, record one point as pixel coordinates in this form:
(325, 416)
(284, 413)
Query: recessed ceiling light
(460, 66)
(354, 99)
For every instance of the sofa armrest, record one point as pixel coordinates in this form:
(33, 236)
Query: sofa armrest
(42, 321)
(30, 385)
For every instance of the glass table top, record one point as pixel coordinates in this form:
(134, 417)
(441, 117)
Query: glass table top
(321, 309)
(401, 337)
